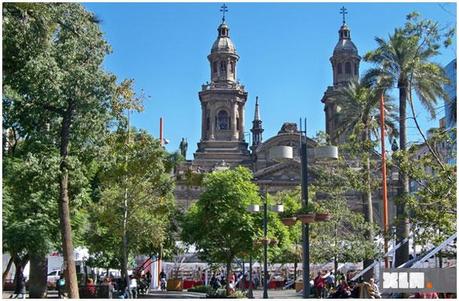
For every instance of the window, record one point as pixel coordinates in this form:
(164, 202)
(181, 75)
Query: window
(356, 69)
(214, 67)
(222, 66)
(223, 120)
(237, 123)
(208, 123)
(340, 68)
(347, 68)
(232, 67)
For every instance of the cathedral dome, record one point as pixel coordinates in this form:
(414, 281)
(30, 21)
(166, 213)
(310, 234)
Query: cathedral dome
(223, 42)
(345, 45)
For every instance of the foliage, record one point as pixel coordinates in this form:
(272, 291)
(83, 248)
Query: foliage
(30, 221)
(206, 289)
(54, 83)
(138, 169)
(344, 237)
(432, 205)
(405, 61)
(218, 223)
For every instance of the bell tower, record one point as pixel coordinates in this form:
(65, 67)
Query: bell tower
(222, 106)
(345, 63)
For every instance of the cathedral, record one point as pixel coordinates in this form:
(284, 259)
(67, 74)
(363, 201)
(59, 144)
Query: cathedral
(223, 99)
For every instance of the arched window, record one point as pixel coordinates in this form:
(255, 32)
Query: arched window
(214, 67)
(222, 66)
(223, 120)
(356, 69)
(347, 68)
(340, 68)
(232, 67)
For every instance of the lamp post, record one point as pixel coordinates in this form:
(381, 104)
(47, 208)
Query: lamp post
(256, 208)
(327, 152)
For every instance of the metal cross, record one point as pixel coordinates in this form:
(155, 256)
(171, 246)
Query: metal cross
(224, 9)
(344, 13)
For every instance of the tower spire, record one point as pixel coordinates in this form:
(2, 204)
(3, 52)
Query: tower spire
(257, 128)
(257, 110)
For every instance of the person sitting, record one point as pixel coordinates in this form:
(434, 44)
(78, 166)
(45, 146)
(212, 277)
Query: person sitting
(342, 291)
(374, 290)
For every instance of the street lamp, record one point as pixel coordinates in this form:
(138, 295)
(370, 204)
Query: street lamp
(256, 208)
(327, 152)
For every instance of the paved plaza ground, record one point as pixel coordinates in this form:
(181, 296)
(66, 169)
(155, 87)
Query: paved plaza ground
(258, 294)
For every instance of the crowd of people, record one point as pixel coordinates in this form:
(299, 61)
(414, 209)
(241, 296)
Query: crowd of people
(328, 285)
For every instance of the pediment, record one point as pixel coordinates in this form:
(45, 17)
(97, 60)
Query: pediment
(286, 172)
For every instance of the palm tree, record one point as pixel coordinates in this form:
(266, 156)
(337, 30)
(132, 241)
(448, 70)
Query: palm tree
(404, 61)
(359, 116)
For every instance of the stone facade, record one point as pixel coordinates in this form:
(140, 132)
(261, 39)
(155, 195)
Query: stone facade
(222, 106)
(222, 143)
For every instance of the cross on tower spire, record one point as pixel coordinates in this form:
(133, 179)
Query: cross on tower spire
(344, 13)
(224, 9)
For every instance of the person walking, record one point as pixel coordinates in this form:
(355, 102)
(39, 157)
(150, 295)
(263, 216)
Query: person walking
(60, 285)
(133, 287)
(21, 287)
(319, 285)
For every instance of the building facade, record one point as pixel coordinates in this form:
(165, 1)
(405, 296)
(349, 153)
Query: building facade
(223, 145)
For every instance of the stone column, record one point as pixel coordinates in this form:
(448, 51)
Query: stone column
(212, 124)
(203, 121)
(234, 122)
(241, 123)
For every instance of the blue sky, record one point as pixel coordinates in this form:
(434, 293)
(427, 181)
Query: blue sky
(284, 51)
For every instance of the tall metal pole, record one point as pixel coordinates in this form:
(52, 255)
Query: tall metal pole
(384, 181)
(265, 245)
(125, 209)
(304, 195)
(161, 139)
(250, 295)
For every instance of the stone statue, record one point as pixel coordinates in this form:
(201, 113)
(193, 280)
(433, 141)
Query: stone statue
(288, 127)
(183, 147)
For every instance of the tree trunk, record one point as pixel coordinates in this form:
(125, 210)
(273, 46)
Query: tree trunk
(368, 202)
(19, 264)
(38, 276)
(64, 209)
(295, 267)
(403, 226)
(228, 275)
(7, 270)
(335, 265)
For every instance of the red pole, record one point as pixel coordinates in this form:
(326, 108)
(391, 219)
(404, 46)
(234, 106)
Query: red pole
(384, 181)
(161, 131)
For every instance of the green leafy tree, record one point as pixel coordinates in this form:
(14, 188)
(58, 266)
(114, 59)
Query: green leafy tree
(359, 120)
(53, 77)
(405, 61)
(432, 204)
(218, 224)
(344, 238)
(135, 172)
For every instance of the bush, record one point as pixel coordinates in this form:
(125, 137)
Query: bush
(238, 294)
(206, 289)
